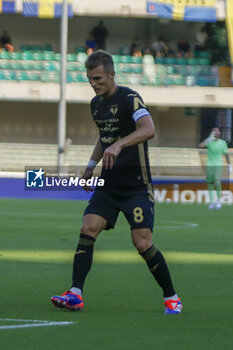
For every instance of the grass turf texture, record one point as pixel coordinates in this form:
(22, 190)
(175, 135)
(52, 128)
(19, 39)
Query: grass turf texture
(123, 304)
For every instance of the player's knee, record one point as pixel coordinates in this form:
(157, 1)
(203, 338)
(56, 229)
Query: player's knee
(142, 244)
(90, 228)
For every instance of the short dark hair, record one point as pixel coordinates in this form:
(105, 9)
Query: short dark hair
(100, 58)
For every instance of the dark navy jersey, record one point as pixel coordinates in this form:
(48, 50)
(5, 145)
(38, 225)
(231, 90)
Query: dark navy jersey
(116, 118)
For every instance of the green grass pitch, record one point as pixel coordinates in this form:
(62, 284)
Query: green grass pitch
(123, 304)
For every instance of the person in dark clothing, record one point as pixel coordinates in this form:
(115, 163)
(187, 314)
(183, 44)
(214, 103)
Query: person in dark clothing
(5, 42)
(100, 34)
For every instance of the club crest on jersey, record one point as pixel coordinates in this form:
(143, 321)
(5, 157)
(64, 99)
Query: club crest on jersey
(114, 109)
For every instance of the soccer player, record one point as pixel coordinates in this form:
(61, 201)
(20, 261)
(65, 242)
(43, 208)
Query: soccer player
(124, 125)
(216, 149)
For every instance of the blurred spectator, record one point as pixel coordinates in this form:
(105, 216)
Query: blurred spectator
(100, 34)
(135, 48)
(201, 39)
(147, 50)
(158, 47)
(183, 48)
(5, 42)
(90, 43)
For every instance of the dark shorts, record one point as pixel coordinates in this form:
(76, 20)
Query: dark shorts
(137, 206)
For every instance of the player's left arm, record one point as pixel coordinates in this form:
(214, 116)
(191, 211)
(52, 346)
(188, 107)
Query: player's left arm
(145, 131)
(228, 159)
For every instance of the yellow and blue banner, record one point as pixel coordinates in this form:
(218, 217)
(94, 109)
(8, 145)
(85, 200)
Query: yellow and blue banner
(229, 22)
(7, 6)
(45, 8)
(184, 10)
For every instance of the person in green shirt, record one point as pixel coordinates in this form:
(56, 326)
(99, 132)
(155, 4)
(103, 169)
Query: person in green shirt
(216, 147)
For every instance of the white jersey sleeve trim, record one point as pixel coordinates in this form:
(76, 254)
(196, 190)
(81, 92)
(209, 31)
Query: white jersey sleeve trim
(140, 113)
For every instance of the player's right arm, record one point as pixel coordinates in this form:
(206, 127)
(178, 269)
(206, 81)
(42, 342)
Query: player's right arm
(94, 160)
(210, 138)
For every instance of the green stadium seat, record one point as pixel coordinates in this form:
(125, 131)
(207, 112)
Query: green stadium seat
(135, 59)
(4, 55)
(47, 47)
(5, 65)
(12, 75)
(81, 78)
(25, 47)
(16, 56)
(37, 65)
(157, 81)
(79, 49)
(46, 77)
(160, 60)
(26, 65)
(2, 75)
(81, 57)
(48, 55)
(126, 68)
(16, 65)
(122, 79)
(38, 56)
(137, 68)
(36, 47)
(135, 79)
(34, 76)
(192, 61)
(170, 60)
(148, 60)
(23, 76)
(179, 80)
(169, 80)
(27, 55)
(125, 59)
(57, 57)
(116, 58)
(181, 60)
(71, 57)
(184, 70)
(50, 66)
(72, 67)
(203, 61)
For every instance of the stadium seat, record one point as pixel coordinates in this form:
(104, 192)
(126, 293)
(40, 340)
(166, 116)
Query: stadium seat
(135, 59)
(27, 65)
(5, 65)
(125, 59)
(126, 68)
(50, 66)
(79, 49)
(4, 55)
(38, 56)
(192, 61)
(71, 57)
(16, 56)
(181, 60)
(148, 60)
(48, 55)
(2, 75)
(81, 57)
(137, 68)
(160, 60)
(203, 61)
(157, 81)
(25, 47)
(135, 79)
(57, 57)
(47, 47)
(81, 78)
(169, 60)
(27, 55)
(23, 76)
(179, 80)
(116, 58)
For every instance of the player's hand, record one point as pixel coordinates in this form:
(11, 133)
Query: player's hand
(88, 173)
(211, 136)
(110, 155)
(229, 169)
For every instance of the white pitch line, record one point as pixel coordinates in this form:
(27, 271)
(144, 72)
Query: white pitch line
(34, 323)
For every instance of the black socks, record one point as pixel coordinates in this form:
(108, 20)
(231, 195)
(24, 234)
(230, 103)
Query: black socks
(82, 260)
(158, 267)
